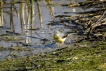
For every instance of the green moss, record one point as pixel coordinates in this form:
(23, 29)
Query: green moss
(86, 58)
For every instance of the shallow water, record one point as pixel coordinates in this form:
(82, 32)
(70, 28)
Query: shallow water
(33, 36)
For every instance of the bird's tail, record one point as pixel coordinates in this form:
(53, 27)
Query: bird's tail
(66, 35)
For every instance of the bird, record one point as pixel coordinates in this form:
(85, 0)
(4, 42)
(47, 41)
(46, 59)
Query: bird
(60, 37)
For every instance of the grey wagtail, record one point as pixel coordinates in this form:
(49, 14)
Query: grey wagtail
(60, 37)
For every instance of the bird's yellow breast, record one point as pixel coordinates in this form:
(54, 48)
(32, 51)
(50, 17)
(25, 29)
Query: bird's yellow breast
(59, 39)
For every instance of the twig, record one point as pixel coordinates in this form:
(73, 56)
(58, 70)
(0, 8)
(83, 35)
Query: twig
(95, 24)
(101, 16)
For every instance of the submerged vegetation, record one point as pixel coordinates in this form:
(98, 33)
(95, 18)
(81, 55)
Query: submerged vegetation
(88, 53)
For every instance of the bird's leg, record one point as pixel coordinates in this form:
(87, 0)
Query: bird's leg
(60, 45)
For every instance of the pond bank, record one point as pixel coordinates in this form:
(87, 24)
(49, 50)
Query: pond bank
(82, 56)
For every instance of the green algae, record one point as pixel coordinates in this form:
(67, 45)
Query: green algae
(91, 57)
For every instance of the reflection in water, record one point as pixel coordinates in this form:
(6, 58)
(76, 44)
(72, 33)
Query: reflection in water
(31, 24)
(1, 13)
(51, 8)
(40, 14)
